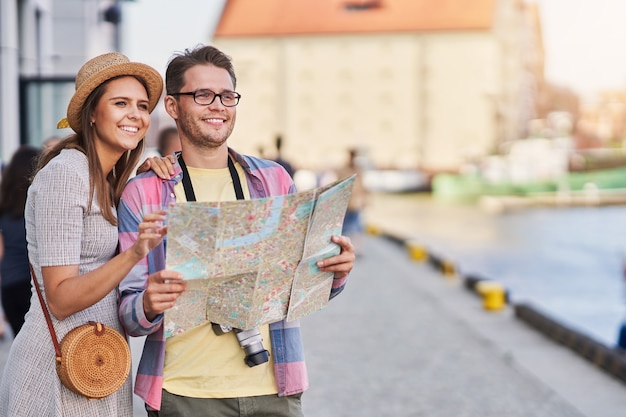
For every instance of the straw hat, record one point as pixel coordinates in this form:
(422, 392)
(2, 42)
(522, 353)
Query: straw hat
(102, 68)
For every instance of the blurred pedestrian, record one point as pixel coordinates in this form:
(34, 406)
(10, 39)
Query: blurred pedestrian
(71, 229)
(169, 142)
(14, 270)
(278, 143)
(353, 222)
(51, 142)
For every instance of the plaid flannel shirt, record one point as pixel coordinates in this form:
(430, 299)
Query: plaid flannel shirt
(146, 193)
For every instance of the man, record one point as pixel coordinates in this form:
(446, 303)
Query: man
(279, 156)
(50, 143)
(353, 223)
(200, 372)
(169, 142)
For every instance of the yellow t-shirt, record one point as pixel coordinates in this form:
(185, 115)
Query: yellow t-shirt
(198, 363)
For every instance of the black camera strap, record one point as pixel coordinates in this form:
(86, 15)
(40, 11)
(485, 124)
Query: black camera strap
(234, 175)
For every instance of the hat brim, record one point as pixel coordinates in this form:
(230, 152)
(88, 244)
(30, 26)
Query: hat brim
(151, 77)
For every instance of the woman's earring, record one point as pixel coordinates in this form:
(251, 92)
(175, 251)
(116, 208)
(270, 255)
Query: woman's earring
(91, 123)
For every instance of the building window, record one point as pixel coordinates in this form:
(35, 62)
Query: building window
(43, 102)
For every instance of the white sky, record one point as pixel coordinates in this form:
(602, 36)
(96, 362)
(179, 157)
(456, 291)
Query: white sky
(152, 30)
(585, 40)
(585, 43)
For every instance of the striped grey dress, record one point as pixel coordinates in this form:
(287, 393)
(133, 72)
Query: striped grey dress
(60, 231)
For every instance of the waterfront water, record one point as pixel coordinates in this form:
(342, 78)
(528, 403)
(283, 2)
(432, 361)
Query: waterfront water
(568, 261)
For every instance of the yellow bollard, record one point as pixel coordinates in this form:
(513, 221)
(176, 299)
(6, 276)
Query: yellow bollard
(493, 295)
(448, 269)
(371, 229)
(416, 252)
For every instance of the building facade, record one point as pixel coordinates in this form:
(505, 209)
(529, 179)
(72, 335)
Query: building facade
(414, 84)
(43, 43)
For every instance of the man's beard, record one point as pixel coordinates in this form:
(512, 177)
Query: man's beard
(192, 131)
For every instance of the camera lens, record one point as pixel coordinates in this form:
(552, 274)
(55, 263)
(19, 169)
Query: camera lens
(257, 358)
(252, 344)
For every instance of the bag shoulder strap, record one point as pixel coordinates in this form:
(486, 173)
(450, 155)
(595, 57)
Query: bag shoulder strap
(46, 314)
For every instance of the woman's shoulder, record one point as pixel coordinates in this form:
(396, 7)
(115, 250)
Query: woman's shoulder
(69, 166)
(70, 160)
(71, 157)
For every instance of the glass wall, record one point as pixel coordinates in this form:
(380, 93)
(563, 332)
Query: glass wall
(43, 102)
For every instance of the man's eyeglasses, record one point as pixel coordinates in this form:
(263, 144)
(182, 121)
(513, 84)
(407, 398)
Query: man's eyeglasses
(206, 97)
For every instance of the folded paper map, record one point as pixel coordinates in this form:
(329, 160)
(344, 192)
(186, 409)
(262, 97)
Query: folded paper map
(251, 262)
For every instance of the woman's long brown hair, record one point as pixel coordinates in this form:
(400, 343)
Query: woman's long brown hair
(108, 189)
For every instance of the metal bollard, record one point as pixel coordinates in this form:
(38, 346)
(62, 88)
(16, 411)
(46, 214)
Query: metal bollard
(493, 295)
(371, 229)
(448, 269)
(416, 252)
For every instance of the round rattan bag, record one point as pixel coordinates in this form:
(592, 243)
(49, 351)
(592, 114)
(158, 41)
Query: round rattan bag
(95, 360)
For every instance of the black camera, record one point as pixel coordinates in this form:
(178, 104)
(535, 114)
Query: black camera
(250, 341)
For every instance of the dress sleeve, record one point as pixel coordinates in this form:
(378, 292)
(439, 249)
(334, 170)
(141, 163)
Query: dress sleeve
(60, 202)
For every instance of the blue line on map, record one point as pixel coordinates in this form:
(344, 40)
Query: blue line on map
(269, 227)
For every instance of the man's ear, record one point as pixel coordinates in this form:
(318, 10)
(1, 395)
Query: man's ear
(171, 106)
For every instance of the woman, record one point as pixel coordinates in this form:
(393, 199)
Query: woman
(71, 229)
(14, 270)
